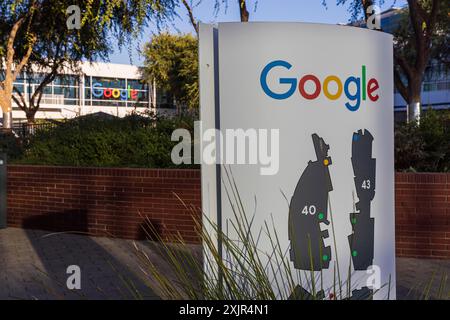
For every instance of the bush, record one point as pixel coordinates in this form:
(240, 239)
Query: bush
(11, 145)
(424, 147)
(145, 141)
(133, 141)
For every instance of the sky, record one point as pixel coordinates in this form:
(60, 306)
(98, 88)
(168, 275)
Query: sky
(260, 10)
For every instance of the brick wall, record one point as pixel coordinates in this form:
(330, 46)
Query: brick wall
(114, 202)
(106, 202)
(422, 204)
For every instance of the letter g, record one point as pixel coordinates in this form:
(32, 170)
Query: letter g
(97, 90)
(291, 81)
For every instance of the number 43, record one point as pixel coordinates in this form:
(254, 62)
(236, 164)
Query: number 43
(366, 184)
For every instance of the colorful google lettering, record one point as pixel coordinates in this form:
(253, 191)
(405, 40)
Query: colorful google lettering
(361, 90)
(123, 94)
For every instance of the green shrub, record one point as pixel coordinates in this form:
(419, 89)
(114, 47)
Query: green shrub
(424, 147)
(11, 145)
(133, 141)
(145, 141)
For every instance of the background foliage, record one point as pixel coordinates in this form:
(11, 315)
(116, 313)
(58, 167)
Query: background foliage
(133, 141)
(145, 141)
(424, 147)
(171, 61)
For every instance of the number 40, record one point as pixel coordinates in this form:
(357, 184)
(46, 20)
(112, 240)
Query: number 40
(309, 210)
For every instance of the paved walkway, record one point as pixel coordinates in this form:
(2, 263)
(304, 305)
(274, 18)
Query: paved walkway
(419, 277)
(33, 265)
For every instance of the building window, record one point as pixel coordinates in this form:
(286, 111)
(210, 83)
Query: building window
(98, 91)
(116, 92)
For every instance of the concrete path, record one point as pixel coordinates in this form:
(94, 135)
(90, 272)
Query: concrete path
(33, 265)
(417, 278)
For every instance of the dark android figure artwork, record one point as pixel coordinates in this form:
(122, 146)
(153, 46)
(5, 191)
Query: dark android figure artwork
(308, 209)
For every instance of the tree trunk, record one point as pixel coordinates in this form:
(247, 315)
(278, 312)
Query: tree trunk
(243, 11)
(6, 105)
(31, 117)
(414, 111)
(7, 121)
(414, 99)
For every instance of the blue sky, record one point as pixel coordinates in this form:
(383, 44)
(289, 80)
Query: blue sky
(266, 10)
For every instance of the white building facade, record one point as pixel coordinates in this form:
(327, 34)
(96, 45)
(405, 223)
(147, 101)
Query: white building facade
(115, 89)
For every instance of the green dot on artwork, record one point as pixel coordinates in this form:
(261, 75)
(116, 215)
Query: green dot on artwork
(354, 253)
(354, 220)
(324, 257)
(321, 216)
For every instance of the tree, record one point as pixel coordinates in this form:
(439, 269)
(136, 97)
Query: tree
(58, 50)
(171, 61)
(49, 44)
(21, 14)
(421, 38)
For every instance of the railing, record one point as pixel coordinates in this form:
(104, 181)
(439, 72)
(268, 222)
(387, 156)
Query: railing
(52, 99)
(25, 130)
(46, 98)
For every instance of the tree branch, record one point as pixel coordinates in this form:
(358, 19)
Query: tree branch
(22, 104)
(243, 11)
(191, 15)
(25, 58)
(404, 65)
(401, 87)
(49, 77)
(431, 21)
(10, 48)
(40, 89)
(36, 106)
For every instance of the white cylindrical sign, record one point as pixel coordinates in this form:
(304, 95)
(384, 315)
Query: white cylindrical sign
(305, 112)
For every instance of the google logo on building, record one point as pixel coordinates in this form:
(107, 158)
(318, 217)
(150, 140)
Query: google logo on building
(123, 94)
(362, 89)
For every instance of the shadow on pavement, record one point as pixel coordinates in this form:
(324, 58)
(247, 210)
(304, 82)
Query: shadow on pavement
(109, 267)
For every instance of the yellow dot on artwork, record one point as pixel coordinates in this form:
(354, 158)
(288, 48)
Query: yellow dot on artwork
(326, 162)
